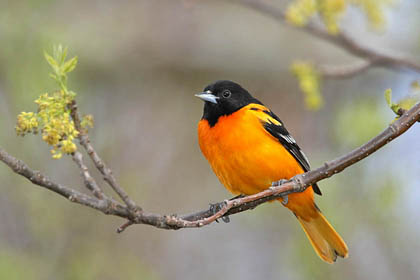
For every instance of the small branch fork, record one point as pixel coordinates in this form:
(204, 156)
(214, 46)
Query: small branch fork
(99, 163)
(370, 57)
(134, 213)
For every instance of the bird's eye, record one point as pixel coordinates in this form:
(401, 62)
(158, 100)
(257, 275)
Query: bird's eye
(226, 93)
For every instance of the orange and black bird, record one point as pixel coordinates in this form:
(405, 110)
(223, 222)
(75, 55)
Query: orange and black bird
(249, 149)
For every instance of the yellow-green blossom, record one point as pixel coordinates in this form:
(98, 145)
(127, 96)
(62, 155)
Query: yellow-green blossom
(331, 11)
(26, 123)
(53, 118)
(299, 12)
(87, 121)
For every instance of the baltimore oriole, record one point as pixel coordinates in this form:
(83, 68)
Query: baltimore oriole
(249, 149)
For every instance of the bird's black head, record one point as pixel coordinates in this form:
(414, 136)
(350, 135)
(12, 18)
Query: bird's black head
(223, 98)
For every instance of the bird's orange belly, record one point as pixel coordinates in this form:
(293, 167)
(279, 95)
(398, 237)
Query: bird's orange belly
(245, 162)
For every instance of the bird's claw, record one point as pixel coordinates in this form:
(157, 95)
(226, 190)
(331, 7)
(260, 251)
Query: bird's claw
(216, 207)
(226, 219)
(285, 199)
(279, 183)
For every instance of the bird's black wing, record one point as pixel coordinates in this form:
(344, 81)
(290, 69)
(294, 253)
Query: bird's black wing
(282, 135)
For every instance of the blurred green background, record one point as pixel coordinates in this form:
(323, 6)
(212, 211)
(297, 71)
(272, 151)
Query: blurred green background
(140, 63)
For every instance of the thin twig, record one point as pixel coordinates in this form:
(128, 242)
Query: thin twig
(89, 181)
(375, 57)
(344, 71)
(124, 226)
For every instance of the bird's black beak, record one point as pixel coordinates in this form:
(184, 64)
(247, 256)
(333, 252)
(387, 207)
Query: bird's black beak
(207, 96)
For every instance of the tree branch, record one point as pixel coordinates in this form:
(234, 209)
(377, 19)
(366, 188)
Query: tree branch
(228, 207)
(375, 58)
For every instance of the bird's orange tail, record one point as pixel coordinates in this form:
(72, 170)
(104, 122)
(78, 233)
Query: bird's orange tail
(326, 241)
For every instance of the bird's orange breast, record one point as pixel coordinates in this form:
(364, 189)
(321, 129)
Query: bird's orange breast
(244, 156)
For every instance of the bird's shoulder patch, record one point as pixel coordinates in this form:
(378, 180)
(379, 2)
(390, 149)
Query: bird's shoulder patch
(263, 114)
